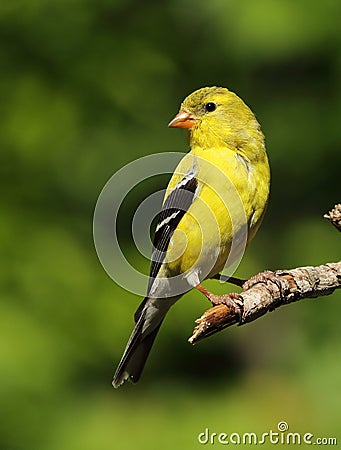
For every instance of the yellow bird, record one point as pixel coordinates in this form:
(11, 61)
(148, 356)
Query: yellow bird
(214, 204)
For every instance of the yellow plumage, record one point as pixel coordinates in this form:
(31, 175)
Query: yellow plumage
(213, 206)
(228, 142)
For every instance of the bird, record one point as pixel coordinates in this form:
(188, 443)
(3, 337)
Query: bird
(214, 204)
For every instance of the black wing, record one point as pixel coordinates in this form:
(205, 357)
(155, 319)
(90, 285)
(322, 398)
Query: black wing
(173, 209)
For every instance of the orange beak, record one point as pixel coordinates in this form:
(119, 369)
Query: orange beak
(183, 119)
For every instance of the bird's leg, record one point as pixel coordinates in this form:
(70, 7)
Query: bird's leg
(206, 293)
(233, 301)
(226, 279)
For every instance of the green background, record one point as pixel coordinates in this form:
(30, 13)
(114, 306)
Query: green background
(88, 86)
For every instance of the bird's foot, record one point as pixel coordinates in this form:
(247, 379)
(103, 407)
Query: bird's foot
(233, 301)
(262, 277)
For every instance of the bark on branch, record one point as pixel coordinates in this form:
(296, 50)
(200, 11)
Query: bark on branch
(271, 290)
(334, 215)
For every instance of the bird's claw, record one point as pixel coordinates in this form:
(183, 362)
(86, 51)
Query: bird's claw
(233, 301)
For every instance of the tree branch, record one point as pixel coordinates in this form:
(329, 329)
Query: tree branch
(334, 215)
(269, 290)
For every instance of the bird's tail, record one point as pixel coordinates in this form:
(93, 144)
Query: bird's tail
(149, 317)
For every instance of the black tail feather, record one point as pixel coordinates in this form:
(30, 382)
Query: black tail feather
(135, 355)
(148, 318)
(135, 365)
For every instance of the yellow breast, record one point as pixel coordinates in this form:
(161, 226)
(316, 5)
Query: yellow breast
(229, 206)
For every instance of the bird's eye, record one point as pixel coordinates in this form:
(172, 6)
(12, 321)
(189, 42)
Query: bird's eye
(210, 106)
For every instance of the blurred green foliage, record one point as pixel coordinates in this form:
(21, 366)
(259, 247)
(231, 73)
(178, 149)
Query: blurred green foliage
(87, 86)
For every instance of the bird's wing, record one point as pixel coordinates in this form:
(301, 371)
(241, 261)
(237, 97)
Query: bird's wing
(173, 209)
(151, 312)
(175, 206)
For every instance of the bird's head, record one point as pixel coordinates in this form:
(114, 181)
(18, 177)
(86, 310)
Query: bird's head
(214, 117)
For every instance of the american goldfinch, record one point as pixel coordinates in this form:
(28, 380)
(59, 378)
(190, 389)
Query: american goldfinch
(214, 204)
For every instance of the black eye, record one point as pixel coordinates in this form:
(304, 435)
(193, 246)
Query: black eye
(210, 106)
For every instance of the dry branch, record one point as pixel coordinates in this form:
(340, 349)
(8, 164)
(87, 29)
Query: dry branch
(334, 215)
(269, 290)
